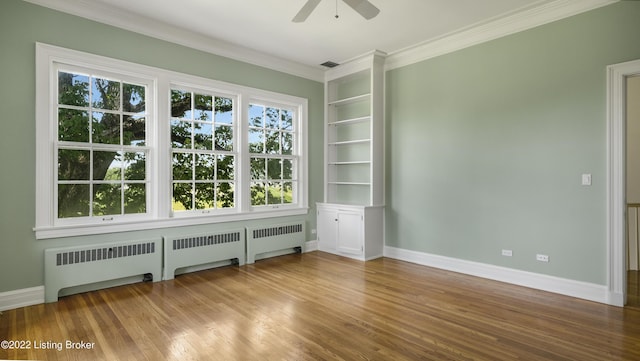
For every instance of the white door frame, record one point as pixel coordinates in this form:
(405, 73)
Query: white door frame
(616, 179)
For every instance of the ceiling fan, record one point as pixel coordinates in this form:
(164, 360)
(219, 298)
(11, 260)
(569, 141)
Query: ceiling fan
(362, 7)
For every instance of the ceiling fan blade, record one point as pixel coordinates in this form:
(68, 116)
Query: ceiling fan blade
(364, 8)
(306, 10)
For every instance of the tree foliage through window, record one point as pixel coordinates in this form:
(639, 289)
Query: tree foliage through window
(102, 150)
(101, 146)
(204, 151)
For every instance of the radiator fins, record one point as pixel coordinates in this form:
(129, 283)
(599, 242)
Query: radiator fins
(75, 266)
(203, 241)
(98, 264)
(277, 231)
(201, 251)
(274, 240)
(103, 253)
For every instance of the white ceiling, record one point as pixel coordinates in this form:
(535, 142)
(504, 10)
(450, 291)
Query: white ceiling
(245, 29)
(266, 26)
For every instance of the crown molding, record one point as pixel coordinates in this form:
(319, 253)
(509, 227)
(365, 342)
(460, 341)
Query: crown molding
(517, 21)
(355, 64)
(493, 29)
(108, 15)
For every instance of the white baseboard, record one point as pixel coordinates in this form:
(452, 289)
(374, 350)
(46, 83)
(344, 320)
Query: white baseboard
(310, 246)
(588, 291)
(578, 289)
(21, 298)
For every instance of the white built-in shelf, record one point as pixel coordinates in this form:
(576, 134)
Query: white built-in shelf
(351, 121)
(354, 132)
(350, 221)
(351, 100)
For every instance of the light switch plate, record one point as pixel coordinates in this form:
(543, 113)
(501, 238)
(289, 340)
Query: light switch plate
(586, 179)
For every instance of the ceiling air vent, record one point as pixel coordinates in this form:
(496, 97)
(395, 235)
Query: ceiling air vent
(329, 64)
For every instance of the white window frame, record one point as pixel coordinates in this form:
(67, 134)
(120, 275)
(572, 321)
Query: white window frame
(295, 154)
(159, 213)
(237, 152)
(149, 83)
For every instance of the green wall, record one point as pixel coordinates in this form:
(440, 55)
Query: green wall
(21, 26)
(486, 146)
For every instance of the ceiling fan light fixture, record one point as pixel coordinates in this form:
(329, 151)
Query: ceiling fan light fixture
(363, 7)
(306, 10)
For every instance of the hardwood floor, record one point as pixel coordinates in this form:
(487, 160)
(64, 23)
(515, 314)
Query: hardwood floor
(318, 306)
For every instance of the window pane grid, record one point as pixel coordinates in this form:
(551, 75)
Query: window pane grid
(271, 147)
(202, 138)
(101, 137)
(120, 189)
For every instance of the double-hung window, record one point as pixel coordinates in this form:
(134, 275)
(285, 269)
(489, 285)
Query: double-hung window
(100, 145)
(203, 150)
(122, 146)
(273, 160)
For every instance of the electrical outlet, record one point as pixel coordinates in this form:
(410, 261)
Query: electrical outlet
(507, 252)
(313, 231)
(542, 258)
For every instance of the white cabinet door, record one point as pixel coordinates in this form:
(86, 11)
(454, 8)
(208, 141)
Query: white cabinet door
(349, 232)
(327, 229)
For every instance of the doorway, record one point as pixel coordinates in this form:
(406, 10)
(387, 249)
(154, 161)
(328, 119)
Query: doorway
(632, 117)
(617, 76)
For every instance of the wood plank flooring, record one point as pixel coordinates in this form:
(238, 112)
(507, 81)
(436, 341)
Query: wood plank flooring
(318, 306)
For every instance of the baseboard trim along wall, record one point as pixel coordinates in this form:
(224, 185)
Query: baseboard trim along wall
(21, 298)
(567, 287)
(588, 291)
(310, 246)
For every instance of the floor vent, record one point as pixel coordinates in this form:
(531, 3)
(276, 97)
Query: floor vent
(83, 265)
(274, 239)
(202, 249)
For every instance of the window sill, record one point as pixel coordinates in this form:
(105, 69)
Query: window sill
(75, 230)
